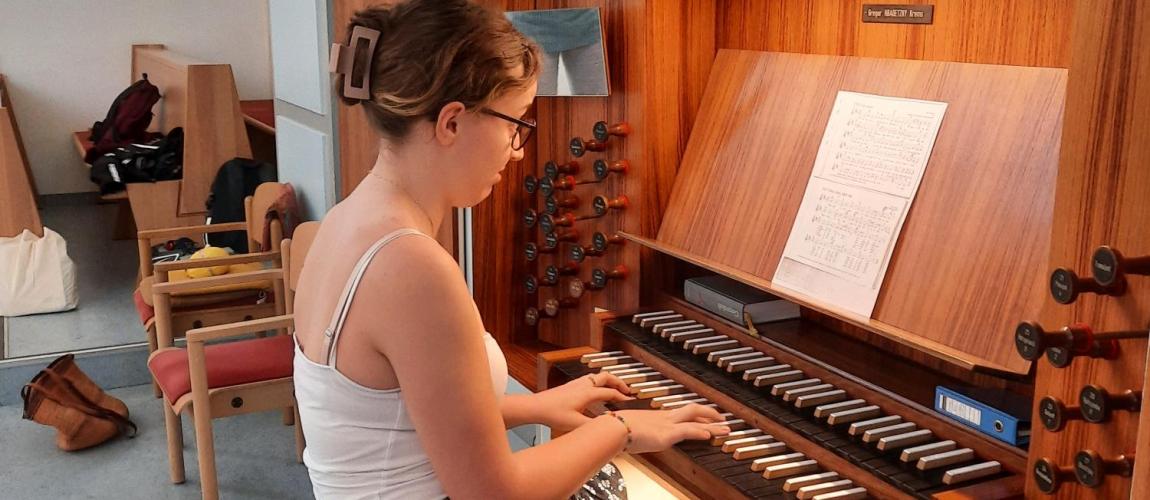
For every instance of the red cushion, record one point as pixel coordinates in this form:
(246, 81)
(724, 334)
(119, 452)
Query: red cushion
(230, 363)
(145, 311)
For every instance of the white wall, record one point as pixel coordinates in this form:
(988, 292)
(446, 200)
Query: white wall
(66, 60)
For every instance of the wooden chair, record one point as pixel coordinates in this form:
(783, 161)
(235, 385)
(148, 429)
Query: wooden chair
(200, 305)
(221, 380)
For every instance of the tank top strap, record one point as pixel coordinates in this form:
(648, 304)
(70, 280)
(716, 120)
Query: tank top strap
(339, 316)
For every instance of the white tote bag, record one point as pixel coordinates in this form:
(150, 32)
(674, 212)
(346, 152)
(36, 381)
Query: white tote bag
(36, 274)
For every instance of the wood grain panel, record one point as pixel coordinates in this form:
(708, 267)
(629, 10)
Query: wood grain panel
(201, 97)
(17, 192)
(1010, 32)
(1101, 199)
(993, 165)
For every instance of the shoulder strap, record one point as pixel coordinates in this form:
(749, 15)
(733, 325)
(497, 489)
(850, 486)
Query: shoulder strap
(339, 316)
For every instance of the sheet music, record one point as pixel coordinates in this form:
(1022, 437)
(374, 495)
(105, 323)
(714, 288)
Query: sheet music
(868, 168)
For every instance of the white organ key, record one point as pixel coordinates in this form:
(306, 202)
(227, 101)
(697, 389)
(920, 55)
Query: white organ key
(609, 360)
(746, 433)
(827, 409)
(660, 401)
(766, 370)
(970, 472)
(715, 356)
(663, 326)
(690, 344)
(944, 459)
(690, 334)
(761, 464)
(779, 389)
(626, 366)
(654, 320)
(900, 441)
(809, 492)
(655, 392)
(794, 483)
(854, 415)
(791, 394)
(777, 378)
(917, 452)
(747, 364)
(759, 450)
(873, 435)
(858, 428)
(635, 318)
(713, 346)
(595, 355)
(851, 494)
(734, 444)
(700, 401)
(808, 400)
(791, 469)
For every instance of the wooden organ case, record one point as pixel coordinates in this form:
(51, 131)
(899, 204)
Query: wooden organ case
(1035, 167)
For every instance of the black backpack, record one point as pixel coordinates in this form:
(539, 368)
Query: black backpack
(236, 179)
(127, 120)
(157, 160)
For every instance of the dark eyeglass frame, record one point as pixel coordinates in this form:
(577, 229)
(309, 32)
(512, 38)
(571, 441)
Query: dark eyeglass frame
(521, 125)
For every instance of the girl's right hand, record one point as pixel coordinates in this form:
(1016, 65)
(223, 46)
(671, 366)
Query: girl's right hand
(658, 430)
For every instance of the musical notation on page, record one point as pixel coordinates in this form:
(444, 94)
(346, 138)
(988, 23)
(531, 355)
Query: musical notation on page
(869, 166)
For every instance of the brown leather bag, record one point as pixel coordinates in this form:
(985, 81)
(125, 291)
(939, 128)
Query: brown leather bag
(51, 398)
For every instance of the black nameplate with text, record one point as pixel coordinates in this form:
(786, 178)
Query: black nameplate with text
(898, 14)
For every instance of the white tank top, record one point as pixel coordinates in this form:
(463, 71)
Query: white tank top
(360, 441)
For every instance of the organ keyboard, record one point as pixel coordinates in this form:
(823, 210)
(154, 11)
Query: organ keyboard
(801, 429)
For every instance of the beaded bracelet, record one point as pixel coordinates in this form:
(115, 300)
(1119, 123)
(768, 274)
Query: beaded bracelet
(630, 437)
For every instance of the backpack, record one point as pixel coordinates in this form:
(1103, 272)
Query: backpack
(237, 178)
(158, 160)
(127, 120)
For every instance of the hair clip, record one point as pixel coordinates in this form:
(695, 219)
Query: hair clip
(343, 60)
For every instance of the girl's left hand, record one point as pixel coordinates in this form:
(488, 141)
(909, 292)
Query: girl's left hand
(561, 408)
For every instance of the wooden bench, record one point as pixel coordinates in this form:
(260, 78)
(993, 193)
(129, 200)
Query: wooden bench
(201, 97)
(18, 194)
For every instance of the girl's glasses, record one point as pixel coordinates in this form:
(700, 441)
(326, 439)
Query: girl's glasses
(523, 128)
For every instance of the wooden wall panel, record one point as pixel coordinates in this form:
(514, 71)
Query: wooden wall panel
(1102, 193)
(1011, 32)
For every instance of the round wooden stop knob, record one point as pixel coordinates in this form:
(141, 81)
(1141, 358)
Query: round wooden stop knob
(552, 169)
(533, 315)
(564, 183)
(552, 239)
(554, 272)
(552, 306)
(600, 241)
(1091, 469)
(532, 251)
(1097, 404)
(552, 204)
(530, 218)
(601, 204)
(579, 147)
(550, 222)
(1109, 266)
(1049, 477)
(603, 169)
(600, 277)
(1054, 414)
(1075, 340)
(602, 131)
(530, 184)
(1065, 286)
(576, 287)
(579, 253)
(532, 284)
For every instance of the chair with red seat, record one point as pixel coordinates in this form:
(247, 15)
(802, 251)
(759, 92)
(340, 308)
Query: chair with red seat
(230, 378)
